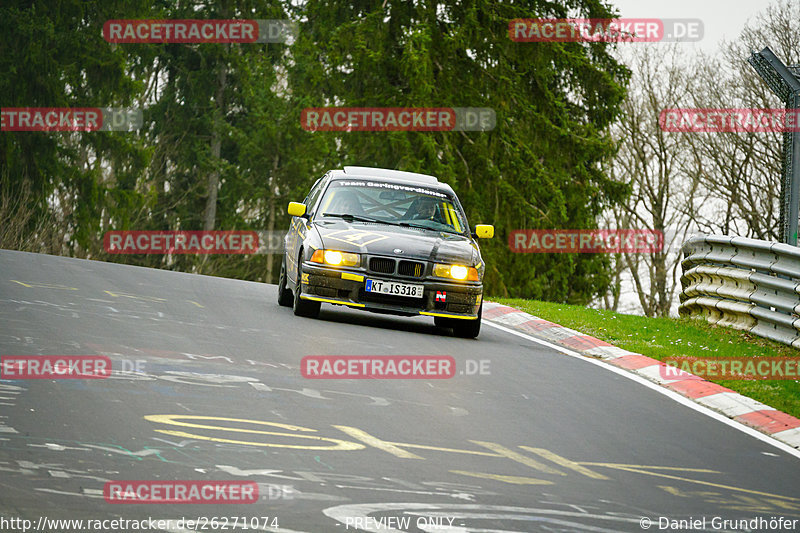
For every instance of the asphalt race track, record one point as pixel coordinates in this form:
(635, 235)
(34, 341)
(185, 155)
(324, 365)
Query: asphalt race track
(540, 441)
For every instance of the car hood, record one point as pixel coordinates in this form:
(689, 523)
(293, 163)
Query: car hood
(382, 239)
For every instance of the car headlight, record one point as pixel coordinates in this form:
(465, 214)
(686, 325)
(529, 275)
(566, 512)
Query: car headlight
(335, 258)
(457, 272)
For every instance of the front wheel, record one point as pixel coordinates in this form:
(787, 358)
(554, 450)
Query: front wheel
(468, 329)
(284, 295)
(306, 308)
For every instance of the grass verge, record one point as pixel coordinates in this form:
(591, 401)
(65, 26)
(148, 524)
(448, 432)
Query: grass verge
(661, 338)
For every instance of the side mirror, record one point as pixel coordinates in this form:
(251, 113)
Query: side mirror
(484, 231)
(296, 209)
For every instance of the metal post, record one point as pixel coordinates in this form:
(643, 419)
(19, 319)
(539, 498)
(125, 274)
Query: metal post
(785, 83)
(794, 175)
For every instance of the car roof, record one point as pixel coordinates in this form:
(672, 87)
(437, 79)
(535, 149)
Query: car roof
(386, 174)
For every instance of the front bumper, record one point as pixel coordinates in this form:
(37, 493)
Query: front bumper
(344, 287)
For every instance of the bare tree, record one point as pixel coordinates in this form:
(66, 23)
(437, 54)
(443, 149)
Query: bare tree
(725, 183)
(652, 162)
(23, 228)
(738, 175)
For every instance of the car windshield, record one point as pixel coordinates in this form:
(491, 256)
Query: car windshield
(393, 204)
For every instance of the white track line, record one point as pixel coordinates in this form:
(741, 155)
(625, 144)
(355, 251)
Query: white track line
(662, 390)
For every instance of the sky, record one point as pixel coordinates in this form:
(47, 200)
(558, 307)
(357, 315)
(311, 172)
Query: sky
(722, 19)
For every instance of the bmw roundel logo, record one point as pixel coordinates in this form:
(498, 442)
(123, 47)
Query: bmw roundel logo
(398, 251)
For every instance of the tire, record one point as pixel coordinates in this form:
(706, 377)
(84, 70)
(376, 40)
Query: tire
(468, 329)
(306, 308)
(285, 297)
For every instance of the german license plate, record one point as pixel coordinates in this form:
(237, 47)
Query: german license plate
(394, 288)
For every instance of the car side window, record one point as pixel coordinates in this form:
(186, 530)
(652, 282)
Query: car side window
(314, 195)
(312, 192)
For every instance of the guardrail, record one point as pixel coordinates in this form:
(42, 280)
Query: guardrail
(747, 284)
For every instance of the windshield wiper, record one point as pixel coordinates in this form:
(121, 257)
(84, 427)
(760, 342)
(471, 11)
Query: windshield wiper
(411, 225)
(349, 218)
(420, 226)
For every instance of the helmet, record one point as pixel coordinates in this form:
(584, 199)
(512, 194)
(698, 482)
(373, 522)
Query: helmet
(346, 203)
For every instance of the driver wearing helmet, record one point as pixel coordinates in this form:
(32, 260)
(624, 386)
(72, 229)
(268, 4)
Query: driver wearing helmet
(423, 209)
(347, 204)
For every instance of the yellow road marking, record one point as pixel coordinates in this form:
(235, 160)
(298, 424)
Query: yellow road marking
(563, 461)
(518, 457)
(693, 494)
(650, 467)
(783, 505)
(396, 449)
(739, 502)
(135, 297)
(197, 304)
(44, 285)
(375, 442)
(343, 446)
(384, 445)
(633, 469)
(440, 449)
(175, 420)
(516, 480)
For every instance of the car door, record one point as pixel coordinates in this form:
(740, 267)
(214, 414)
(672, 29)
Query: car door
(298, 229)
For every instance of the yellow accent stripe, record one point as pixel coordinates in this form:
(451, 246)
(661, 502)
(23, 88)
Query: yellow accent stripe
(352, 277)
(446, 210)
(329, 301)
(454, 216)
(427, 313)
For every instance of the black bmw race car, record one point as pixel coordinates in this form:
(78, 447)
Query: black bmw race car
(384, 241)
